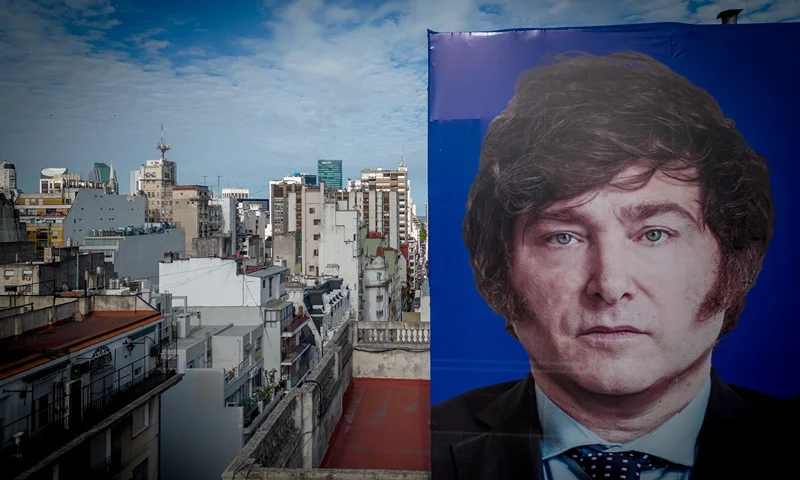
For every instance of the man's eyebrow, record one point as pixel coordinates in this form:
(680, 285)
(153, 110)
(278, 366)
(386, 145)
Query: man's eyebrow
(639, 212)
(643, 211)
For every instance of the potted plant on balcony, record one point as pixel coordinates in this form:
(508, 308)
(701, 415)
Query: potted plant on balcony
(271, 387)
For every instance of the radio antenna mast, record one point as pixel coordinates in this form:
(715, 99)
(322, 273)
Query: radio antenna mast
(162, 145)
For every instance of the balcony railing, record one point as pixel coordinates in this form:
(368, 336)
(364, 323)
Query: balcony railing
(51, 427)
(291, 356)
(292, 324)
(237, 371)
(106, 469)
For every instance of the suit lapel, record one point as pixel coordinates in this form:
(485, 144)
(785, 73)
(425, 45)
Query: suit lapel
(510, 449)
(731, 438)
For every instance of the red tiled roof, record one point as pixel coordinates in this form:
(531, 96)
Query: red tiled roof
(29, 350)
(384, 426)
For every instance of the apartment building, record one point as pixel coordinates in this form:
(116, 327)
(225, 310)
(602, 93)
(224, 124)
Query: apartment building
(81, 381)
(194, 212)
(156, 180)
(296, 218)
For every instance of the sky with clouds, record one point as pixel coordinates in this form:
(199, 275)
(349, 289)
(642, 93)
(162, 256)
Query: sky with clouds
(255, 89)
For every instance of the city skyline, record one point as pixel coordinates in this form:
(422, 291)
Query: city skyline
(256, 89)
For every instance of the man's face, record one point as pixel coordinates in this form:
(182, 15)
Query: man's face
(613, 283)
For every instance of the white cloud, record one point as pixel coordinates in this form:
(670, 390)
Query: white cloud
(323, 81)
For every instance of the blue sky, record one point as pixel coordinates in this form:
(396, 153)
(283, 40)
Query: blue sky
(254, 89)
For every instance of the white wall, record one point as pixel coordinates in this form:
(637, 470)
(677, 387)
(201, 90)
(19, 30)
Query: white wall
(339, 245)
(200, 437)
(375, 288)
(138, 255)
(94, 209)
(229, 218)
(205, 281)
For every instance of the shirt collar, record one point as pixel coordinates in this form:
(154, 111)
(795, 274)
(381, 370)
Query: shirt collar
(675, 440)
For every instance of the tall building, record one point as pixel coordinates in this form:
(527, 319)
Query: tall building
(296, 216)
(194, 213)
(100, 173)
(8, 177)
(156, 179)
(329, 172)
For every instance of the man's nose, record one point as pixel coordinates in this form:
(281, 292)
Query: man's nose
(610, 275)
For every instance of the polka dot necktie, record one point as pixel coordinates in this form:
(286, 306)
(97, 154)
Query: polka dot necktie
(615, 465)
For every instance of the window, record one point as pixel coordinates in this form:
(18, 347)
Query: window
(140, 419)
(316, 221)
(140, 471)
(263, 283)
(316, 236)
(316, 253)
(311, 210)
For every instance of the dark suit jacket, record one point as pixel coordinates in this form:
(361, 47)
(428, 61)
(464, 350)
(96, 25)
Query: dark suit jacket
(493, 432)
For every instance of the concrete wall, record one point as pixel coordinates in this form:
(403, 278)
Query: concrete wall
(204, 281)
(95, 209)
(339, 246)
(143, 446)
(138, 255)
(284, 247)
(15, 252)
(199, 435)
(399, 364)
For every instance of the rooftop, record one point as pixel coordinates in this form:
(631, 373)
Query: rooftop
(384, 426)
(40, 346)
(238, 330)
(365, 405)
(267, 271)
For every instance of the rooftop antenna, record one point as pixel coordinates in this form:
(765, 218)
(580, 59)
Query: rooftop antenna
(219, 189)
(163, 146)
(402, 157)
(729, 16)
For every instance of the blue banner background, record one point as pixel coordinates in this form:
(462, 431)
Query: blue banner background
(753, 73)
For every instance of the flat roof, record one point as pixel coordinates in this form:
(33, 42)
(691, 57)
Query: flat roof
(45, 345)
(237, 330)
(267, 271)
(277, 304)
(384, 426)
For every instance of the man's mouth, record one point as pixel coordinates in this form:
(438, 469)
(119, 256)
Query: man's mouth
(622, 331)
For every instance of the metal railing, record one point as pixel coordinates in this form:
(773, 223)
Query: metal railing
(236, 372)
(76, 410)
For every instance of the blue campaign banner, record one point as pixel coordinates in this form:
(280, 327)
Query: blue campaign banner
(752, 72)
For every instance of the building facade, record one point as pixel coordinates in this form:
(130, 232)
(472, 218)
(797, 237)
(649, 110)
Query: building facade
(156, 180)
(8, 178)
(296, 217)
(91, 408)
(195, 214)
(94, 209)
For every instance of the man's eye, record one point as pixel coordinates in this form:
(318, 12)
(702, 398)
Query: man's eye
(562, 238)
(655, 236)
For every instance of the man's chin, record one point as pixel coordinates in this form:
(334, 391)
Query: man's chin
(617, 381)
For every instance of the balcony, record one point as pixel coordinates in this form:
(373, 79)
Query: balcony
(291, 326)
(66, 423)
(363, 412)
(291, 356)
(237, 371)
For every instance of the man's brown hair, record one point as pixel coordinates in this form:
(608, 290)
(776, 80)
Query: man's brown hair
(575, 124)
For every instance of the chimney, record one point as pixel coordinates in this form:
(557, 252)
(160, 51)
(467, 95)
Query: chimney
(729, 16)
(168, 257)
